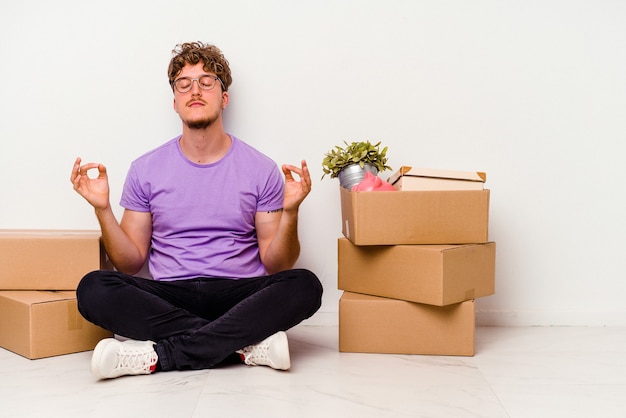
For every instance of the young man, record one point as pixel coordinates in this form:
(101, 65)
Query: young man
(218, 226)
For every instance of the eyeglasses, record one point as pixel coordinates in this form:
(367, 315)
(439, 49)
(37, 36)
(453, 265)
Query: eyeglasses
(205, 82)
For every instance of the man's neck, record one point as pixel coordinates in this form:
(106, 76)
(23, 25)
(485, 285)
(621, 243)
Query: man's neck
(204, 146)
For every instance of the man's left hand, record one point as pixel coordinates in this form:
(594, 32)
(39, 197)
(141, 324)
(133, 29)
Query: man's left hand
(296, 191)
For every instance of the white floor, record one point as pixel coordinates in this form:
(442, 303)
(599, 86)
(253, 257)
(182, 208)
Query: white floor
(516, 372)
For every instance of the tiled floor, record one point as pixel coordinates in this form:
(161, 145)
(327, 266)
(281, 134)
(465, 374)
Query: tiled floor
(517, 372)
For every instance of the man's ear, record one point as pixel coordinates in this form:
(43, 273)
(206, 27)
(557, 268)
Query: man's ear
(224, 99)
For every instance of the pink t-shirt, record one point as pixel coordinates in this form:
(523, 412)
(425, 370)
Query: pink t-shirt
(203, 215)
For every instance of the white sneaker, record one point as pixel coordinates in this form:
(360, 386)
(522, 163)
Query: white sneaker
(272, 351)
(112, 358)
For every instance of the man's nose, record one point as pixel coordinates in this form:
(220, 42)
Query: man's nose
(195, 87)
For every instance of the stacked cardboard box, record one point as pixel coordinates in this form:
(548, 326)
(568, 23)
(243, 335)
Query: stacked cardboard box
(412, 262)
(39, 274)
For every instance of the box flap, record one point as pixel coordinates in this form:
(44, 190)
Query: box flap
(32, 297)
(48, 233)
(437, 173)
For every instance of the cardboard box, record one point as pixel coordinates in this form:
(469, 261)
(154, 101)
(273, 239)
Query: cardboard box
(432, 274)
(370, 324)
(48, 259)
(409, 178)
(415, 217)
(38, 324)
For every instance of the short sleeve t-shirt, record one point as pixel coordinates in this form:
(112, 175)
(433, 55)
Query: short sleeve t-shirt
(203, 215)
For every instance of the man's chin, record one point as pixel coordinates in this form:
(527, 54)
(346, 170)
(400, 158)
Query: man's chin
(199, 124)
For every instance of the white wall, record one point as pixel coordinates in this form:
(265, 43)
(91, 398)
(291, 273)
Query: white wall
(532, 92)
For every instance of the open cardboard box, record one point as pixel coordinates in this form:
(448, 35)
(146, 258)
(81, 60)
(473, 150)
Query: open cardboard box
(415, 217)
(370, 324)
(48, 259)
(38, 324)
(408, 178)
(432, 274)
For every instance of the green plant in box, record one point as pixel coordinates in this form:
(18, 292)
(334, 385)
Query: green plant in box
(360, 153)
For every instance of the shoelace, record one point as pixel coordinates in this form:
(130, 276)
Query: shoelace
(136, 359)
(255, 352)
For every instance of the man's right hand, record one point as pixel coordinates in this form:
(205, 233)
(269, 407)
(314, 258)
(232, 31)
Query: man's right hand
(96, 190)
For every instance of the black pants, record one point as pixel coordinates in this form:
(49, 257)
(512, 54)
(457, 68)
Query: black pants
(198, 323)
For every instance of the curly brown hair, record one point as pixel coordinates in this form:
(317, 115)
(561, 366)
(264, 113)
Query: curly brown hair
(194, 52)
